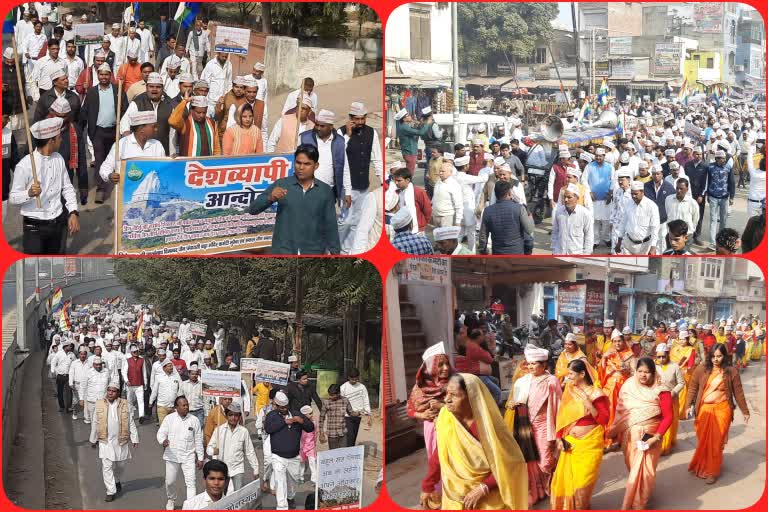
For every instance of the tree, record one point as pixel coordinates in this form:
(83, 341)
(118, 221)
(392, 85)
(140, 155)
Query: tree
(324, 20)
(490, 29)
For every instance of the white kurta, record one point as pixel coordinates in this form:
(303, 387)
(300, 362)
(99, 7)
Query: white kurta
(54, 180)
(129, 148)
(572, 233)
(112, 450)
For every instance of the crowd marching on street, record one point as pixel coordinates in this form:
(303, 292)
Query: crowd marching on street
(176, 98)
(671, 168)
(113, 362)
(573, 399)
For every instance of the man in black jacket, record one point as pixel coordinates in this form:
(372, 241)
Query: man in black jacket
(696, 170)
(300, 393)
(99, 115)
(285, 425)
(60, 87)
(154, 99)
(265, 348)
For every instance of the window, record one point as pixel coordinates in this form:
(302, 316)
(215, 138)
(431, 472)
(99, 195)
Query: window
(732, 32)
(421, 35)
(697, 57)
(541, 55)
(710, 63)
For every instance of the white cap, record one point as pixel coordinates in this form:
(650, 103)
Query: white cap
(600, 151)
(499, 160)
(154, 79)
(626, 330)
(674, 165)
(249, 81)
(134, 348)
(586, 156)
(624, 158)
(281, 399)
(461, 161)
(683, 335)
(719, 153)
(103, 39)
(661, 348)
(199, 101)
(306, 409)
(426, 111)
(186, 78)
(637, 185)
(570, 337)
(608, 323)
(394, 165)
(573, 189)
(401, 219)
(326, 117)
(565, 154)
(623, 172)
(47, 128)
(446, 233)
(357, 109)
(401, 114)
(642, 164)
(58, 72)
(669, 152)
(573, 171)
(609, 144)
(449, 156)
(8, 53)
(133, 53)
(488, 156)
(104, 68)
(649, 332)
(114, 383)
(239, 80)
(143, 117)
(97, 360)
(615, 334)
(173, 62)
(292, 359)
(201, 84)
(259, 66)
(61, 106)
(115, 25)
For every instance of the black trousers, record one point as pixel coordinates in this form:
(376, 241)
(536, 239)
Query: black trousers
(45, 237)
(102, 140)
(82, 178)
(147, 405)
(63, 392)
(701, 218)
(353, 425)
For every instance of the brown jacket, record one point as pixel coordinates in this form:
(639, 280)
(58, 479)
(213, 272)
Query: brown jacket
(733, 388)
(101, 413)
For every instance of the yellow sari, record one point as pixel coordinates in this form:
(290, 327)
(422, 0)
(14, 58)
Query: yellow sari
(577, 469)
(465, 461)
(561, 368)
(612, 379)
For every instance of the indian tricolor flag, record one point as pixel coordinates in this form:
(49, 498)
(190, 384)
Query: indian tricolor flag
(140, 328)
(186, 13)
(64, 323)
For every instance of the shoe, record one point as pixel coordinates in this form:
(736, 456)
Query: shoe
(291, 504)
(110, 497)
(170, 505)
(710, 480)
(86, 422)
(119, 487)
(84, 198)
(74, 415)
(141, 420)
(696, 241)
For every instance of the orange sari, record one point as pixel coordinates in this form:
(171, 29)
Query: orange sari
(638, 412)
(561, 368)
(612, 379)
(713, 419)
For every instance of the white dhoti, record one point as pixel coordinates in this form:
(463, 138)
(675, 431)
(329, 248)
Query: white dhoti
(287, 473)
(348, 226)
(602, 215)
(111, 471)
(269, 475)
(630, 247)
(88, 413)
(135, 394)
(172, 473)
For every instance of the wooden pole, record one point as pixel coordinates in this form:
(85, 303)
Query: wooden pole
(299, 102)
(118, 117)
(23, 95)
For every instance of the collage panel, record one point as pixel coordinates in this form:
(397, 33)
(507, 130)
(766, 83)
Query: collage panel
(192, 384)
(575, 383)
(166, 128)
(575, 128)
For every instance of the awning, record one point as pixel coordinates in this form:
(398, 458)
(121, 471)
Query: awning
(488, 81)
(653, 86)
(619, 81)
(538, 84)
(515, 270)
(418, 82)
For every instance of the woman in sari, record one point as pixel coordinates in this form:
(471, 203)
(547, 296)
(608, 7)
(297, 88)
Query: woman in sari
(616, 366)
(661, 333)
(571, 352)
(535, 400)
(581, 420)
(477, 459)
(671, 377)
(643, 415)
(749, 343)
(242, 138)
(509, 413)
(428, 396)
(684, 354)
(715, 389)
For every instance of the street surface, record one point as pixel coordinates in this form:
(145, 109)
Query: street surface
(58, 449)
(97, 232)
(741, 483)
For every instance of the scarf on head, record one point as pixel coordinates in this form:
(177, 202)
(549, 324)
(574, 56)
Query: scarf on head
(72, 163)
(433, 388)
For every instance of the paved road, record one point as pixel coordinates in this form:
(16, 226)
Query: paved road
(97, 221)
(740, 485)
(73, 470)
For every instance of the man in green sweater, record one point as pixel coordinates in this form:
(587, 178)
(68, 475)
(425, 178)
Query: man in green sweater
(409, 137)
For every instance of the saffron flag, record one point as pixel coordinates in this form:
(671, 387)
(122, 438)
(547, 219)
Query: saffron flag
(186, 13)
(140, 328)
(602, 96)
(56, 303)
(64, 323)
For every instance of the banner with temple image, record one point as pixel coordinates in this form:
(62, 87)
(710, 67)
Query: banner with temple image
(196, 205)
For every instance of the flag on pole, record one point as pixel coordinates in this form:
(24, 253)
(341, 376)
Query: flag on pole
(115, 301)
(682, 95)
(586, 109)
(56, 303)
(140, 328)
(602, 96)
(64, 323)
(186, 13)
(9, 22)
(135, 11)
(620, 124)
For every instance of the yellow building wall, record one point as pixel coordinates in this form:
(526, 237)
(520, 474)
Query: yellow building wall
(691, 68)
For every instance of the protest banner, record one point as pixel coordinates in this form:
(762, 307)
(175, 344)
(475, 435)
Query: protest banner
(692, 131)
(247, 497)
(340, 478)
(196, 205)
(220, 383)
(88, 33)
(172, 325)
(264, 370)
(197, 329)
(232, 40)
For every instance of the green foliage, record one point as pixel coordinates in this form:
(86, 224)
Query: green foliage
(325, 20)
(230, 289)
(488, 29)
